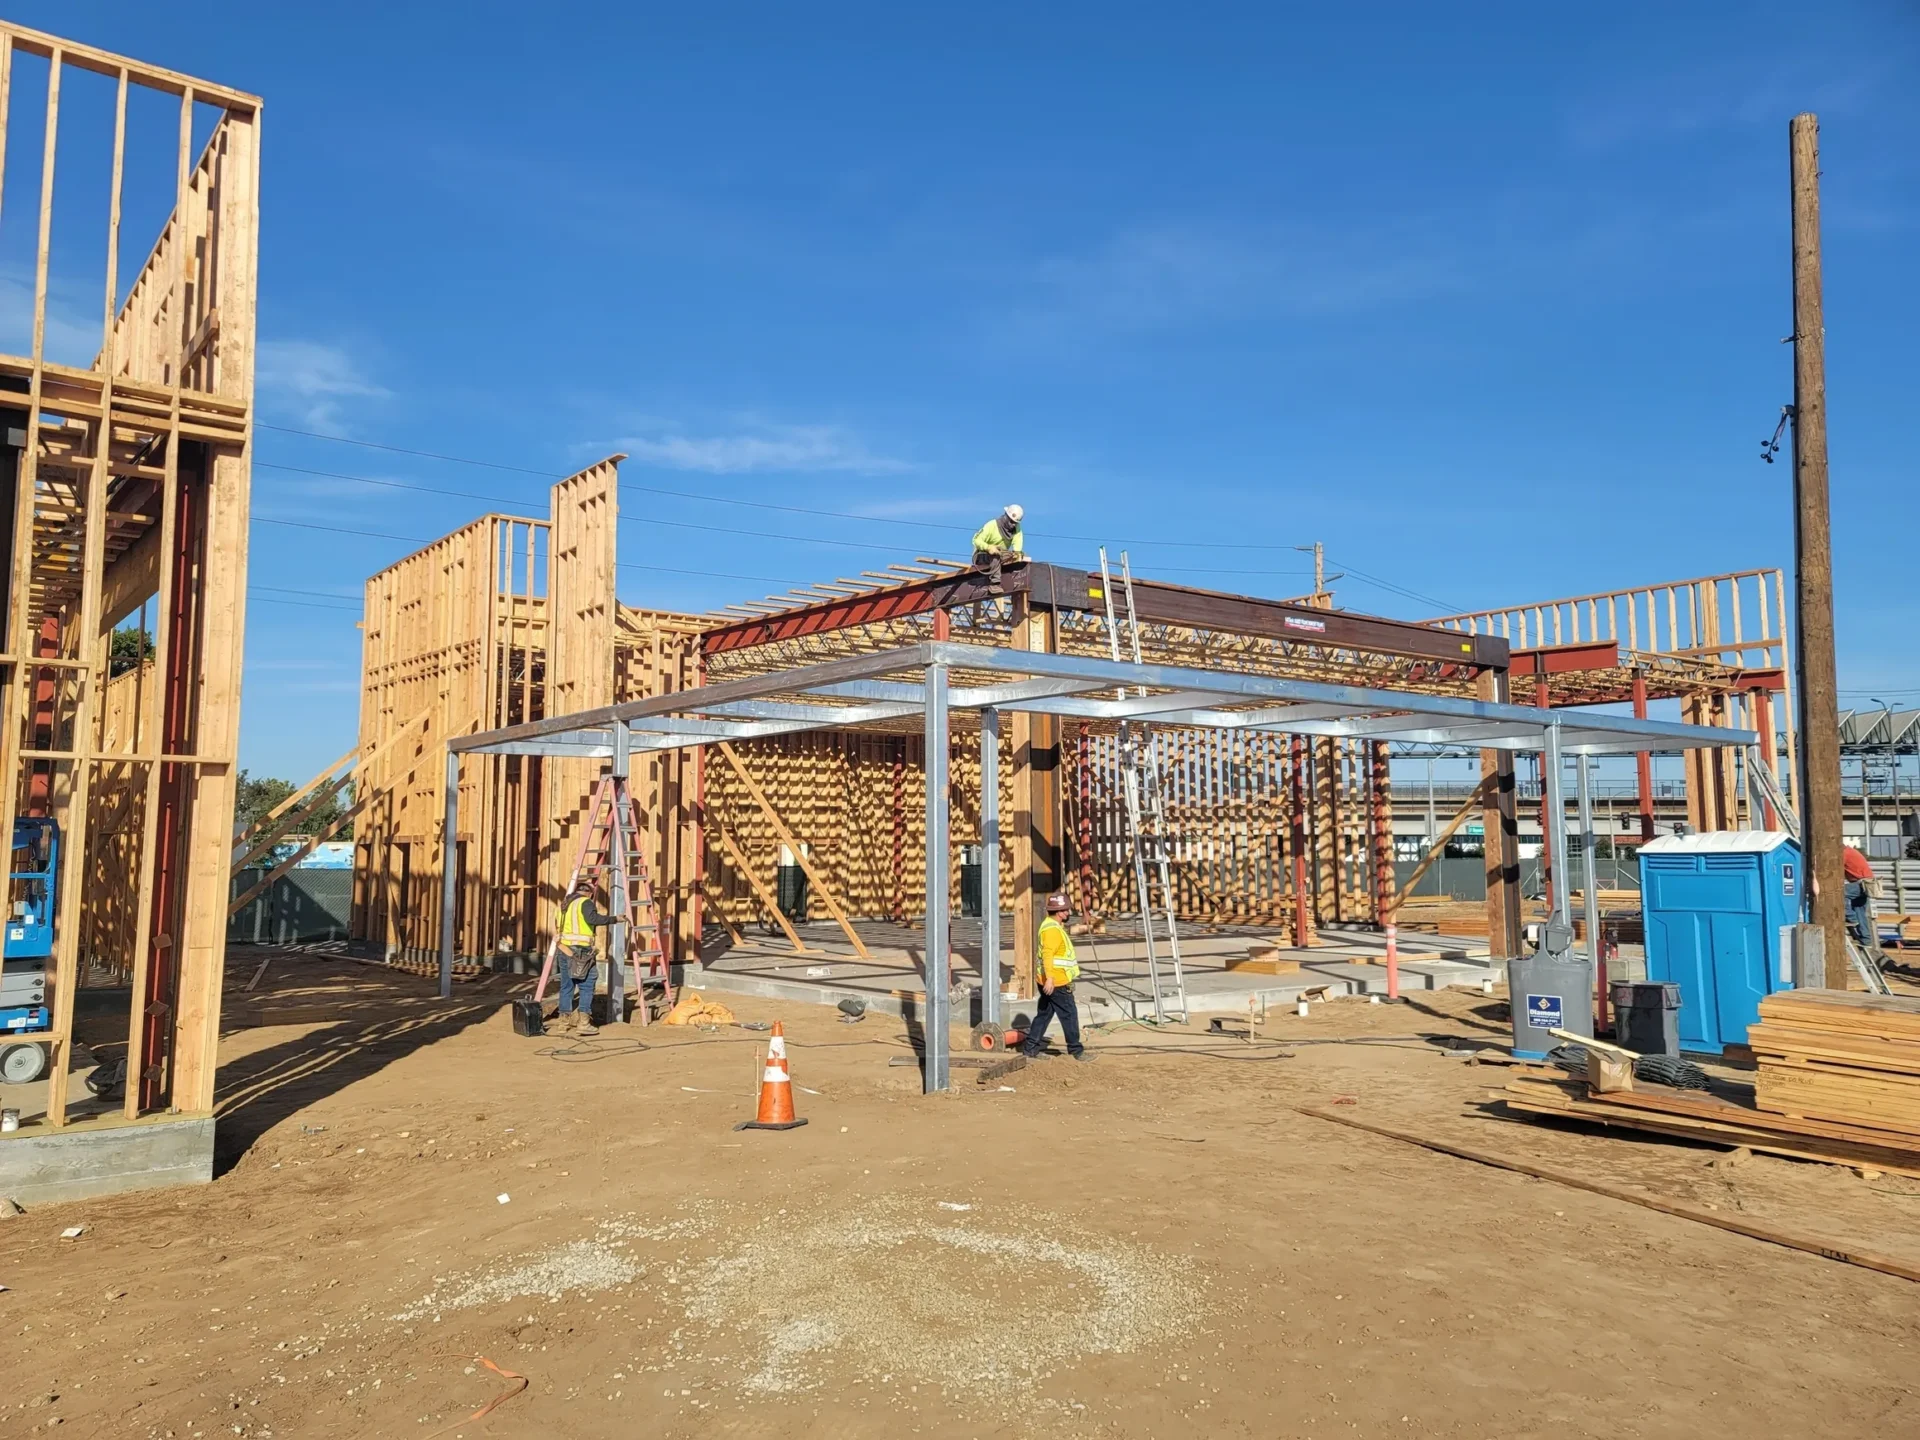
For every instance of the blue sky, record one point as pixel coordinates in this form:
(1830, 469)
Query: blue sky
(1489, 299)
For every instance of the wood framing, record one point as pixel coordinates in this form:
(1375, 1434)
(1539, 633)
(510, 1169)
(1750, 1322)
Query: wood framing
(124, 484)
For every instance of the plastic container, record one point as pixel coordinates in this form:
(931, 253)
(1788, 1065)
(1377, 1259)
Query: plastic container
(1646, 1016)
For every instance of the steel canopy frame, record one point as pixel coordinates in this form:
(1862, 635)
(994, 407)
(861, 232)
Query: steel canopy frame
(930, 681)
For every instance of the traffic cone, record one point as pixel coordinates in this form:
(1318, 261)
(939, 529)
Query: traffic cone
(776, 1089)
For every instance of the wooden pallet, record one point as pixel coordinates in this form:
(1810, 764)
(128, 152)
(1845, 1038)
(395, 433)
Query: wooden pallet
(1687, 1115)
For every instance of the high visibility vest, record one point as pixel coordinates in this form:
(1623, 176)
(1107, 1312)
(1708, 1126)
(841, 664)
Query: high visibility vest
(575, 932)
(990, 537)
(1057, 961)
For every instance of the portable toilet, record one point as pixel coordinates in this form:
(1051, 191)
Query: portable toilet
(1713, 906)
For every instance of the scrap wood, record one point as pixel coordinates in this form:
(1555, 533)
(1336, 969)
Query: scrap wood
(515, 1384)
(1864, 1259)
(1714, 1122)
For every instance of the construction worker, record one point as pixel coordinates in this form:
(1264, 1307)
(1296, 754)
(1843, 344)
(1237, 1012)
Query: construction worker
(1861, 886)
(998, 541)
(580, 916)
(1057, 970)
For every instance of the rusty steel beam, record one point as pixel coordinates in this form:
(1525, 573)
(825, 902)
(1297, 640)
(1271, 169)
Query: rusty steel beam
(1058, 587)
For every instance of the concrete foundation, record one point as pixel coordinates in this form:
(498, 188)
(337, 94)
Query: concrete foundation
(88, 1160)
(1113, 980)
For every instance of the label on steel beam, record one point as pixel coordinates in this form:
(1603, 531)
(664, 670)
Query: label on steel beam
(1294, 622)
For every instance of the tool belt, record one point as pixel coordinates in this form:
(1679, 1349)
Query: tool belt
(580, 961)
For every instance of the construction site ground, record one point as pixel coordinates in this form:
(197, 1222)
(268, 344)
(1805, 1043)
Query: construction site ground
(1115, 980)
(1156, 1244)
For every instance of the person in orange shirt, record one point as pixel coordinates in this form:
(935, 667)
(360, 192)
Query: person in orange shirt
(1859, 872)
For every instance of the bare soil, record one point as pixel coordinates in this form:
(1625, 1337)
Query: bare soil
(1156, 1244)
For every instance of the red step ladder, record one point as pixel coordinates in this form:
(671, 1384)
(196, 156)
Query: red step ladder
(610, 851)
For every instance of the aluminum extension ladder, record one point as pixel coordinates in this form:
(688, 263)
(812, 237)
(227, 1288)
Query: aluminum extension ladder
(610, 852)
(1863, 964)
(1147, 838)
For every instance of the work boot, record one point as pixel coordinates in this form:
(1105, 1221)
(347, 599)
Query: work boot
(587, 1027)
(1082, 1056)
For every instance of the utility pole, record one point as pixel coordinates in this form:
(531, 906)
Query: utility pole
(1813, 559)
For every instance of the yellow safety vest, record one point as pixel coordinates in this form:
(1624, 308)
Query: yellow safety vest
(988, 537)
(1057, 962)
(575, 932)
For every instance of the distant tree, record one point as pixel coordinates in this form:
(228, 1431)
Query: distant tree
(129, 646)
(253, 798)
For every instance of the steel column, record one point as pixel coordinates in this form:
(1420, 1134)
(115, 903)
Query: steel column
(939, 865)
(1590, 888)
(1553, 830)
(618, 866)
(990, 868)
(449, 873)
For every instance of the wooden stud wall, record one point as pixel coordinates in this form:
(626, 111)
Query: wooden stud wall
(131, 482)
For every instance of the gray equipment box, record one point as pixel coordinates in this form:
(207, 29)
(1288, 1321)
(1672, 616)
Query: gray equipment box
(1546, 994)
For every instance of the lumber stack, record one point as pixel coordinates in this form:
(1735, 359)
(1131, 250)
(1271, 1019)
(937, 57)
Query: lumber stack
(1841, 1057)
(1689, 1115)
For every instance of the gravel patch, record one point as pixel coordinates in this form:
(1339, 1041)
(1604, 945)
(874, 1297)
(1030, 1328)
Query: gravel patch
(901, 1290)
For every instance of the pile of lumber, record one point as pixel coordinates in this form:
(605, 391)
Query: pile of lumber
(1690, 1115)
(1841, 1057)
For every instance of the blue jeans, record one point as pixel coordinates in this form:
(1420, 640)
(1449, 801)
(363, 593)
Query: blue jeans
(1060, 1002)
(1860, 914)
(576, 994)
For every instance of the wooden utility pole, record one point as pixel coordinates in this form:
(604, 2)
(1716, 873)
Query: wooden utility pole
(1813, 560)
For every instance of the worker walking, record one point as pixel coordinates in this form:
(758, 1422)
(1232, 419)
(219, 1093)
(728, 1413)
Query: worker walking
(998, 541)
(1057, 970)
(580, 916)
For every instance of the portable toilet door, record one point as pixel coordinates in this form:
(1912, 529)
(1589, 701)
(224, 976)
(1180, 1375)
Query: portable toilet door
(1713, 905)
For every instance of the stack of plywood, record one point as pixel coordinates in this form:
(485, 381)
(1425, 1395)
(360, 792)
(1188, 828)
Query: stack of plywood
(1837, 1056)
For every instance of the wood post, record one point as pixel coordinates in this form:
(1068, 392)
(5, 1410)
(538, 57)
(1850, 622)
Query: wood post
(1501, 834)
(1820, 820)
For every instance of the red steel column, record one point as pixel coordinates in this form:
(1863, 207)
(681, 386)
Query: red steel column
(1763, 722)
(1302, 903)
(1642, 761)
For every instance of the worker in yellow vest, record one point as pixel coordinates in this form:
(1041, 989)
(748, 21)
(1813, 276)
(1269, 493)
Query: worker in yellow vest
(580, 916)
(998, 541)
(1057, 969)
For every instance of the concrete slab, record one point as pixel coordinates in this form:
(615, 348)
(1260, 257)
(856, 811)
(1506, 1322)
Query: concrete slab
(88, 1160)
(1114, 976)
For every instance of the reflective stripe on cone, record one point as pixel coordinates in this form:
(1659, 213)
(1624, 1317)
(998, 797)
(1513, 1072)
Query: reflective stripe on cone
(776, 1089)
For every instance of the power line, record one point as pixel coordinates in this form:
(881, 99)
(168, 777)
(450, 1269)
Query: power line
(321, 594)
(1389, 585)
(709, 529)
(734, 500)
(623, 564)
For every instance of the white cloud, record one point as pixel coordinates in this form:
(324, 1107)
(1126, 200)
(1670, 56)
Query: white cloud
(311, 380)
(779, 447)
(1165, 276)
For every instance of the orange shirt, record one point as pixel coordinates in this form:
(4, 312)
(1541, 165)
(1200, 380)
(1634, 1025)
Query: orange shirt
(1856, 865)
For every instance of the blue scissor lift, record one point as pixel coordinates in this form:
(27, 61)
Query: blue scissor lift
(32, 902)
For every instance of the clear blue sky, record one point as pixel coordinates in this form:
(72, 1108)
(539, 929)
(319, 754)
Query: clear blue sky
(1488, 298)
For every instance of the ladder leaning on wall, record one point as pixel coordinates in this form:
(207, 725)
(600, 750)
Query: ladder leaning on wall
(1146, 811)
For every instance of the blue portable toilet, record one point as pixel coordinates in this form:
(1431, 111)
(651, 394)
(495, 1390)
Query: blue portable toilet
(1713, 906)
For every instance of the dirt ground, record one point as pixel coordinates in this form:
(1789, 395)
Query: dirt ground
(1156, 1244)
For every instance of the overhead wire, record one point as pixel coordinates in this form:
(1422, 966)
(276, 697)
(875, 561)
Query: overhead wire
(709, 497)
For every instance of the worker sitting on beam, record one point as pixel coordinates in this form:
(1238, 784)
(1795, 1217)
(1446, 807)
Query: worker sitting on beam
(998, 541)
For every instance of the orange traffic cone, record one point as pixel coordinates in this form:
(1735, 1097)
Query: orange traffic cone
(776, 1089)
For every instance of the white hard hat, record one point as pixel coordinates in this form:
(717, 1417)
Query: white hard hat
(1014, 513)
